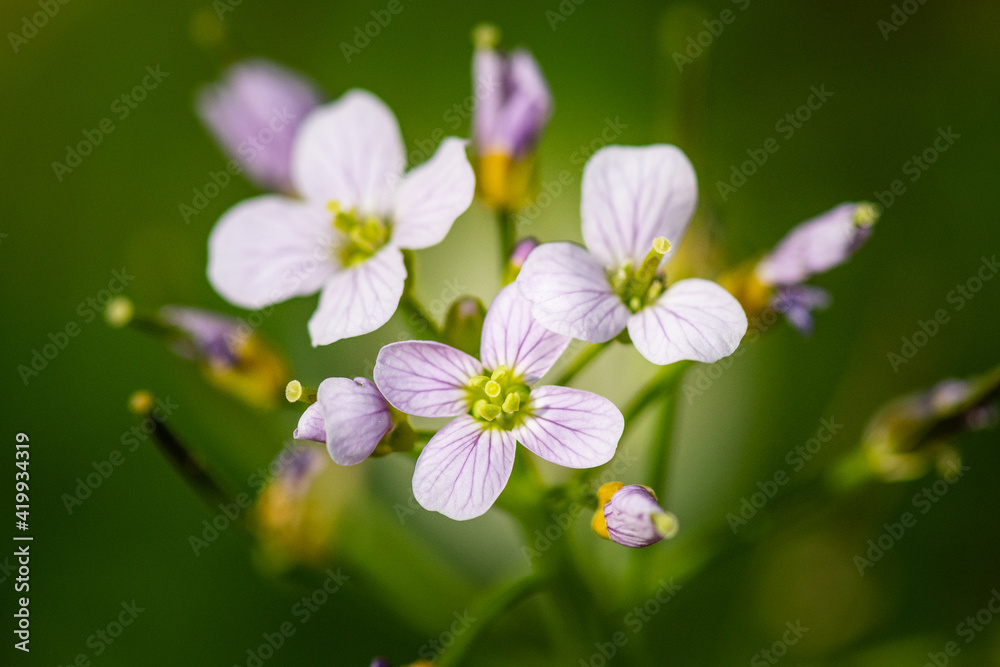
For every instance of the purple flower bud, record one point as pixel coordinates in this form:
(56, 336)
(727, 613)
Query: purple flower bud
(634, 519)
(254, 112)
(210, 337)
(797, 302)
(513, 102)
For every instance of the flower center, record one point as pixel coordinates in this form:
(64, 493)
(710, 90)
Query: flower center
(363, 236)
(499, 399)
(638, 287)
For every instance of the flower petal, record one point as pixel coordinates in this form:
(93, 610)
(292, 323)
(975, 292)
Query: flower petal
(512, 337)
(815, 246)
(268, 249)
(432, 196)
(351, 152)
(463, 469)
(360, 299)
(513, 102)
(631, 195)
(258, 104)
(311, 425)
(571, 427)
(694, 319)
(425, 378)
(570, 293)
(356, 417)
(797, 302)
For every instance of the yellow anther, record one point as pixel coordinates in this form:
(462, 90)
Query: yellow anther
(512, 403)
(487, 411)
(119, 311)
(140, 402)
(333, 207)
(293, 391)
(500, 373)
(478, 381)
(492, 389)
(485, 36)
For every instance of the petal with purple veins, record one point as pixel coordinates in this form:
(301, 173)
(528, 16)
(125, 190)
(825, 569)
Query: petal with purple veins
(359, 299)
(355, 416)
(571, 427)
(570, 293)
(425, 378)
(463, 469)
(632, 195)
(512, 337)
(268, 249)
(432, 196)
(694, 319)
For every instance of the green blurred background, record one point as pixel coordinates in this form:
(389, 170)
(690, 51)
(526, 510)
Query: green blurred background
(120, 208)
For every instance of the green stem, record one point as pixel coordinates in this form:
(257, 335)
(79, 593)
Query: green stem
(419, 320)
(506, 599)
(508, 235)
(582, 360)
(659, 451)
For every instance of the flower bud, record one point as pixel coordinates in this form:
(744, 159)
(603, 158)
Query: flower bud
(517, 258)
(630, 516)
(463, 325)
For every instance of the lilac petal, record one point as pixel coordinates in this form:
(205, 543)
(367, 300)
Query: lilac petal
(570, 293)
(629, 517)
(268, 249)
(356, 418)
(350, 152)
(488, 88)
(254, 112)
(425, 378)
(432, 196)
(571, 427)
(311, 425)
(814, 246)
(632, 195)
(526, 108)
(797, 302)
(360, 299)
(512, 337)
(462, 470)
(694, 319)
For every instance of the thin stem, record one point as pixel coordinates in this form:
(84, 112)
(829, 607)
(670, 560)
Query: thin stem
(508, 234)
(660, 448)
(582, 360)
(506, 599)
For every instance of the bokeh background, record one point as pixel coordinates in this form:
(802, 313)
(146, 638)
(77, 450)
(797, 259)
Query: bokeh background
(607, 63)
